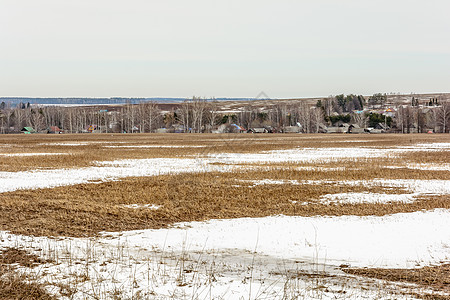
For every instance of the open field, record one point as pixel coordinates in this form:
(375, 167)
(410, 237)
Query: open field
(239, 216)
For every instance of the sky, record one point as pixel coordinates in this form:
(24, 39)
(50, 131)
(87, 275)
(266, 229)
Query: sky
(210, 48)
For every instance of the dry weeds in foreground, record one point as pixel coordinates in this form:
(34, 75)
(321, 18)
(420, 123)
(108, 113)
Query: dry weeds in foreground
(14, 285)
(434, 277)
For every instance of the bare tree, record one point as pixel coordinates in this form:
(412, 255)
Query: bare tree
(19, 118)
(185, 115)
(212, 115)
(153, 114)
(443, 117)
(316, 118)
(405, 118)
(328, 105)
(305, 117)
(247, 116)
(198, 113)
(193, 114)
(360, 119)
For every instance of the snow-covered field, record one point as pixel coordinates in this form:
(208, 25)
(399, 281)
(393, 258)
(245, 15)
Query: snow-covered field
(113, 170)
(245, 258)
(177, 260)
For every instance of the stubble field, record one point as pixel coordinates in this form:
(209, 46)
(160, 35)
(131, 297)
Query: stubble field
(240, 216)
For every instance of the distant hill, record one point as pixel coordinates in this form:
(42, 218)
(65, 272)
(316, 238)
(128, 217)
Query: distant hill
(227, 103)
(13, 101)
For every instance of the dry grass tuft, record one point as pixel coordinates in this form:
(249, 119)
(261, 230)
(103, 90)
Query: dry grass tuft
(14, 285)
(435, 277)
(17, 287)
(21, 257)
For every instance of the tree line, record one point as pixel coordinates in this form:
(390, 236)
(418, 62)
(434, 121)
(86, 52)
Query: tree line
(198, 115)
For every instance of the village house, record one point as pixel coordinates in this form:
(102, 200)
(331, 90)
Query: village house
(355, 128)
(55, 130)
(258, 130)
(28, 130)
(292, 129)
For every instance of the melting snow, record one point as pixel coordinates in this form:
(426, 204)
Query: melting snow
(128, 258)
(138, 206)
(355, 198)
(30, 154)
(270, 181)
(105, 171)
(314, 154)
(139, 258)
(155, 146)
(399, 240)
(431, 146)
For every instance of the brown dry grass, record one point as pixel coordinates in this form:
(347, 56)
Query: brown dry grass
(90, 208)
(435, 277)
(87, 209)
(21, 257)
(14, 285)
(426, 157)
(345, 169)
(95, 150)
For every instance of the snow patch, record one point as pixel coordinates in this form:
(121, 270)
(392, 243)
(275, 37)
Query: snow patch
(104, 171)
(139, 206)
(155, 146)
(142, 258)
(399, 240)
(270, 181)
(356, 198)
(429, 167)
(30, 154)
(432, 146)
(75, 143)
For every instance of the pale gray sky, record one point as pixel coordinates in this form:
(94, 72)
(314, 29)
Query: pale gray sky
(180, 48)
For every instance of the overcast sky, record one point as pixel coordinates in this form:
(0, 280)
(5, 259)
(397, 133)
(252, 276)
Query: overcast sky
(180, 48)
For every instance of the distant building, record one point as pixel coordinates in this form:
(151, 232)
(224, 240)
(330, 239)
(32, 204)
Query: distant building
(28, 130)
(54, 129)
(292, 129)
(258, 130)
